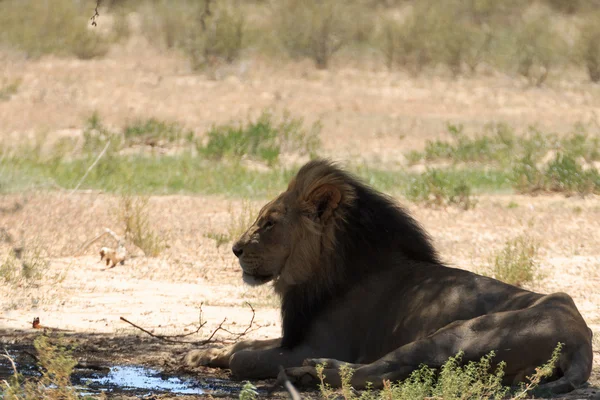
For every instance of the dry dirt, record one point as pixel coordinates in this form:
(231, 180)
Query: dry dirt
(367, 114)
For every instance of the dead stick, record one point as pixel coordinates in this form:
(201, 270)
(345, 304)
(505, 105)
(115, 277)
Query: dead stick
(90, 168)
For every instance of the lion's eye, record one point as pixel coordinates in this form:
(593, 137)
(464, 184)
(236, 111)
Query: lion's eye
(269, 224)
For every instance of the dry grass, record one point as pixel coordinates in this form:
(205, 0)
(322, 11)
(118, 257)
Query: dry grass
(516, 263)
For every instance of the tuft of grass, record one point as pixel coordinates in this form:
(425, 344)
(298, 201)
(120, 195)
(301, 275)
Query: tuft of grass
(456, 380)
(57, 27)
(134, 214)
(239, 222)
(248, 392)
(439, 188)
(155, 132)
(9, 89)
(23, 265)
(264, 139)
(56, 364)
(515, 264)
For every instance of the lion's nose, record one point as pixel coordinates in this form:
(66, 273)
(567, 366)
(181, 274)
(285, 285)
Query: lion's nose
(237, 250)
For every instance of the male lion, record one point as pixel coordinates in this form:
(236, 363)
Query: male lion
(360, 282)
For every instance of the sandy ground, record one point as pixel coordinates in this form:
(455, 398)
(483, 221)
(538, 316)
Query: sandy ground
(367, 114)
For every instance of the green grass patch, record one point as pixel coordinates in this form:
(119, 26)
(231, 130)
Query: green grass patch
(264, 139)
(185, 173)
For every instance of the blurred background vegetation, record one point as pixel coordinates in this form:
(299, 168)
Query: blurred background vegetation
(528, 38)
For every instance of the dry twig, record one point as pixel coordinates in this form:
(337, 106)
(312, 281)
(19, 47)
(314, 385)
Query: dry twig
(169, 338)
(99, 155)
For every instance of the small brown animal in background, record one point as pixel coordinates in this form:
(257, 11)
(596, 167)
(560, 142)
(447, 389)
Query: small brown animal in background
(114, 256)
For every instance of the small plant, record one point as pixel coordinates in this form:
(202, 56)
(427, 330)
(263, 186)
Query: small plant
(439, 188)
(265, 139)
(8, 89)
(56, 365)
(155, 132)
(138, 229)
(515, 264)
(219, 238)
(248, 392)
(23, 265)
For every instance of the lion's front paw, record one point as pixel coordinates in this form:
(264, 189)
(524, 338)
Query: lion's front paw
(302, 376)
(207, 357)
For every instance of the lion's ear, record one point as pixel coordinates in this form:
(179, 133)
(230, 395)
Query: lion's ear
(325, 199)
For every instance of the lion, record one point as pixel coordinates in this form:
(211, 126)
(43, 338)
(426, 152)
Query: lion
(361, 284)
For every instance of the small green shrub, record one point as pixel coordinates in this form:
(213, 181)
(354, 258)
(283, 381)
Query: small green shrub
(264, 139)
(57, 27)
(588, 46)
(515, 263)
(153, 131)
(134, 214)
(440, 188)
(56, 365)
(248, 392)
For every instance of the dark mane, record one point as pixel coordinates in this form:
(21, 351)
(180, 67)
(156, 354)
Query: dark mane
(373, 234)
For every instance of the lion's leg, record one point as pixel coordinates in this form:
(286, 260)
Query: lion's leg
(219, 358)
(523, 338)
(263, 364)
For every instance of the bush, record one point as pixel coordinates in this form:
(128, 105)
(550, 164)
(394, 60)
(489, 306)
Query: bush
(588, 46)
(138, 228)
(538, 49)
(265, 139)
(313, 28)
(57, 27)
(515, 263)
(205, 34)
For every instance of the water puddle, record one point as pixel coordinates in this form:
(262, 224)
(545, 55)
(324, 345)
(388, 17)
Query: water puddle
(139, 380)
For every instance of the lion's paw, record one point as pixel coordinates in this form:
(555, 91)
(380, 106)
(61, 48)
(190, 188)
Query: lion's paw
(206, 357)
(302, 376)
(328, 363)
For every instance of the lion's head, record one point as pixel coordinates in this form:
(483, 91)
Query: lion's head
(326, 232)
(291, 232)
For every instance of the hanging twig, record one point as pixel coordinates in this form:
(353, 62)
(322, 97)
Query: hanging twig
(96, 13)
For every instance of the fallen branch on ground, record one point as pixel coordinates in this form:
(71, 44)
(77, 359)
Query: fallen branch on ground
(170, 338)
